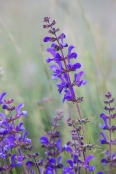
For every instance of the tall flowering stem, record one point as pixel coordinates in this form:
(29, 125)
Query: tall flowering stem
(76, 147)
(12, 136)
(110, 156)
(62, 66)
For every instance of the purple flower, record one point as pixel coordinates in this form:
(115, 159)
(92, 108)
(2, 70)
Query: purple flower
(44, 140)
(46, 39)
(60, 165)
(58, 144)
(77, 80)
(64, 65)
(49, 39)
(13, 164)
(18, 127)
(71, 55)
(73, 67)
(86, 162)
(61, 40)
(25, 139)
(55, 55)
(9, 141)
(57, 70)
(49, 170)
(69, 169)
(69, 95)
(103, 140)
(105, 126)
(64, 82)
(1, 97)
(18, 113)
(3, 116)
(68, 149)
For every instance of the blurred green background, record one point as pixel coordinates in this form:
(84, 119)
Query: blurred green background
(91, 27)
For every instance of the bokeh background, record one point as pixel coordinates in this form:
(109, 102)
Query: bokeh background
(91, 27)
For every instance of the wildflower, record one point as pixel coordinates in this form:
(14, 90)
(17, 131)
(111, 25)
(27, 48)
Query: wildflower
(61, 64)
(109, 156)
(1, 97)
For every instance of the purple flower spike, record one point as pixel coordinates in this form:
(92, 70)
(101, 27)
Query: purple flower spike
(99, 173)
(1, 97)
(64, 65)
(44, 140)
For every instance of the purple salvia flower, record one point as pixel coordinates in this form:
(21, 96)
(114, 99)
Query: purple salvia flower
(46, 39)
(18, 113)
(64, 82)
(69, 95)
(58, 141)
(73, 67)
(13, 163)
(86, 162)
(49, 170)
(68, 149)
(77, 80)
(1, 97)
(44, 140)
(105, 126)
(19, 127)
(109, 156)
(3, 116)
(63, 62)
(103, 140)
(68, 170)
(25, 139)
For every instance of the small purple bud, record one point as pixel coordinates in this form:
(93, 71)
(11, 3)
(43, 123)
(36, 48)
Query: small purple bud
(24, 113)
(46, 39)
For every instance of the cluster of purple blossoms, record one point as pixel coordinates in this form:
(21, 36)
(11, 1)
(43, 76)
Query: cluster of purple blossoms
(52, 145)
(77, 149)
(13, 137)
(61, 69)
(110, 156)
(62, 65)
